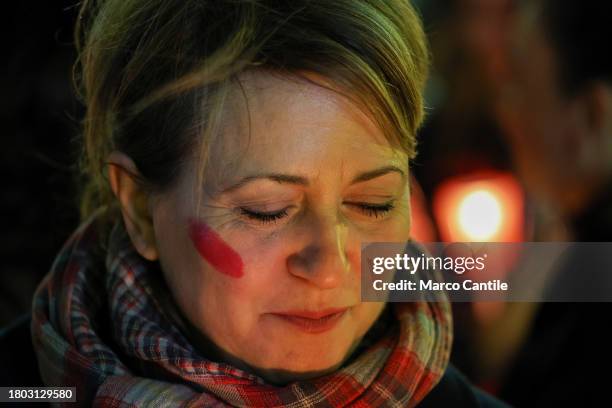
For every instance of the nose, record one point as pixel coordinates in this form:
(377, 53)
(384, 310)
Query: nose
(322, 259)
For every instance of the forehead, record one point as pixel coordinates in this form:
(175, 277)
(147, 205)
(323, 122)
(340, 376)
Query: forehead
(293, 124)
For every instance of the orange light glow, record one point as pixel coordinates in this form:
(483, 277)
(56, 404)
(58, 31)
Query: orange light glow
(482, 207)
(480, 215)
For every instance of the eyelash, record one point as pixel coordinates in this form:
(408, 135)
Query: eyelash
(375, 210)
(264, 218)
(371, 210)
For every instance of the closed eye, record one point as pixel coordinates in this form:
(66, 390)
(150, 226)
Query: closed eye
(373, 210)
(264, 217)
(269, 217)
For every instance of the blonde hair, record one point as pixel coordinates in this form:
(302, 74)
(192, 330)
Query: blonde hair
(154, 74)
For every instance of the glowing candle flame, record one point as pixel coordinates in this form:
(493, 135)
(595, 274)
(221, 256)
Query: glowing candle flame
(480, 215)
(480, 207)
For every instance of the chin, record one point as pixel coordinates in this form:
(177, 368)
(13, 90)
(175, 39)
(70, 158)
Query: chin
(315, 359)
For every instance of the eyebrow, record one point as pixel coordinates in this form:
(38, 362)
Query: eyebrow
(303, 181)
(278, 177)
(372, 174)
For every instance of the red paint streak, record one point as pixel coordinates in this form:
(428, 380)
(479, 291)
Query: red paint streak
(214, 250)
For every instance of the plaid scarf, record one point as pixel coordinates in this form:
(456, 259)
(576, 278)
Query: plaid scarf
(98, 325)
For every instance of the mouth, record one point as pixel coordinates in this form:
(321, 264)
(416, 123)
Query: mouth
(312, 322)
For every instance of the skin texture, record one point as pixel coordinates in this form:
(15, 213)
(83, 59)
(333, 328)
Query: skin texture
(325, 179)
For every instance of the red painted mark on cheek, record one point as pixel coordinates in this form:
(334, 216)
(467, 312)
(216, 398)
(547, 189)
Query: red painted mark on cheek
(214, 250)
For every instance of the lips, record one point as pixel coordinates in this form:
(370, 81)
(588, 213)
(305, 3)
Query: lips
(313, 322)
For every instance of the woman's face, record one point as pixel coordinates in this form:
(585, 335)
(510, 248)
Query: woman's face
(268, 266)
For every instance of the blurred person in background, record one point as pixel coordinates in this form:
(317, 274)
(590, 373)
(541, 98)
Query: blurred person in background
(556, 108)
(553, 90)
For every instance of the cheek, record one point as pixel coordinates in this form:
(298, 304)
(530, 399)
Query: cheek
(396, 228)
(214, 250)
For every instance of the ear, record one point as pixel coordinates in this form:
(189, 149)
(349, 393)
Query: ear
(134, 201)
(596, 120)
(598, 102)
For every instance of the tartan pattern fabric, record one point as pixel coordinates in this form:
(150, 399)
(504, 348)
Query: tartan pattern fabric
(97, 325)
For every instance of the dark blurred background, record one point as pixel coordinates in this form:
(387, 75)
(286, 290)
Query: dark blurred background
(39, 124)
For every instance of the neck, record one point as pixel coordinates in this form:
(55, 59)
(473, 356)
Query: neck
(593, 220)
(576, 199)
